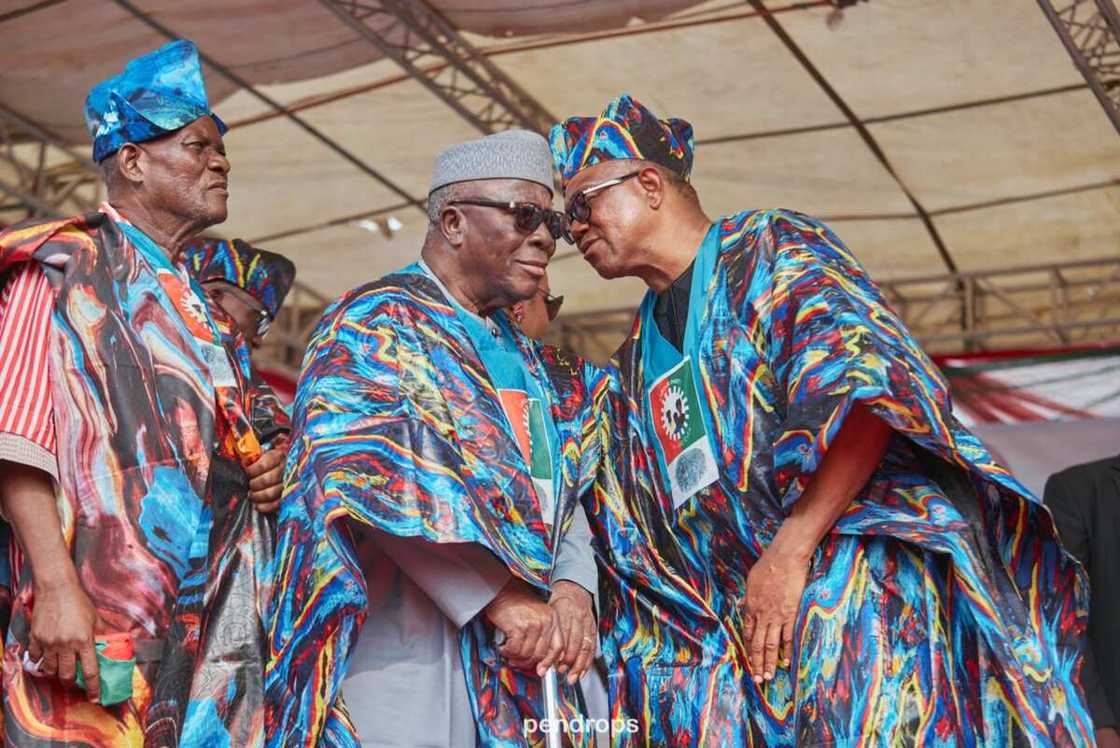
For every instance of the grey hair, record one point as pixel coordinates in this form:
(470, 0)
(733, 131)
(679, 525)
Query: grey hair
(439, 199)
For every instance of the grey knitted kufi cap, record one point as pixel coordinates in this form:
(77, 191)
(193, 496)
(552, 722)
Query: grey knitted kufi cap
(510, 154)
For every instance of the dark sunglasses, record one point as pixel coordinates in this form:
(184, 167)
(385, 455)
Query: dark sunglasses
(552, 304)
(579, 209)
(526, 216)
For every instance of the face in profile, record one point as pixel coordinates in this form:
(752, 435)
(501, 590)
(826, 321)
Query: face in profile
(606, 208)
(186, 173)
(504, 262)
(246, 312)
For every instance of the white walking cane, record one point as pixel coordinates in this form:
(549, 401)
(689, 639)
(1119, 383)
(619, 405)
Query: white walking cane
(551, 708)
(551, 687)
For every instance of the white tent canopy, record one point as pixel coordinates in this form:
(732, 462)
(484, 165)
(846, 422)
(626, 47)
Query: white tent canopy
(974, 104)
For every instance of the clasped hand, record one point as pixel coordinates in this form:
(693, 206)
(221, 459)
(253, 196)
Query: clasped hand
(538, 635)
(266, 479)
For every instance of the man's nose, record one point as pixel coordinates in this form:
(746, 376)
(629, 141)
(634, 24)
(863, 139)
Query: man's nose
(219, 162)
(578, 229)
(542, 239)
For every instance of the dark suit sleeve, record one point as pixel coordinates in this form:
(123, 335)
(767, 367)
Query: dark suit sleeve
(1073, 530)
(1069, 516)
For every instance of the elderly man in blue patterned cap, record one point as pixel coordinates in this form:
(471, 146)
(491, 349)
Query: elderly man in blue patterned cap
(431, 431)
(128, 459)
(808, 549)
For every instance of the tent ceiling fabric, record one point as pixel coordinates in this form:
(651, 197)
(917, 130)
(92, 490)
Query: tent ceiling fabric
(1016, 163)
(263, 41)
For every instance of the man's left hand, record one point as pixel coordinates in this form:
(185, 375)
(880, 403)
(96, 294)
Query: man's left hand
(775, 586)
(266, 479)
(575, 608)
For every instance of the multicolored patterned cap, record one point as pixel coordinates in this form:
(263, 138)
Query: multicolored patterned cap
(157, 93)
(625, 130)
(265, 275)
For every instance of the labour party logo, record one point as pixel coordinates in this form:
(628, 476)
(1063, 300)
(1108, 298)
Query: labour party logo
(526, 415)
(681, 433)
(674, 414)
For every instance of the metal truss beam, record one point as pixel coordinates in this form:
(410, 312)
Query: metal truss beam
(1059, 303)
(280, 109)
(41, 175)
(1068, 303)
(1090, 31)
(432, 51)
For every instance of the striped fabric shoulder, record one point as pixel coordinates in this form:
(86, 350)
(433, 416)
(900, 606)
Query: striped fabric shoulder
(26, 406)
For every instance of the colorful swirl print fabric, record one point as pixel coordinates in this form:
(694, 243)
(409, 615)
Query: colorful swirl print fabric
(151, 493)
(939, 611)
(397, 426)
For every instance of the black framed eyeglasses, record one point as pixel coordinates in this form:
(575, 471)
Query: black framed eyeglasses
(579, 209)
(552, 304)
(527, 216)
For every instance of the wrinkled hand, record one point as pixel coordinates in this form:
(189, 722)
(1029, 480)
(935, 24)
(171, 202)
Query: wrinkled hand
(63, 624)
(775, 586)
(531, 627)
(1108, 737)
(575, 610)
(266, 479)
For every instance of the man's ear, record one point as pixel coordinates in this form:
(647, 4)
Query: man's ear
(453, 225)
(131, 162)
(654, 186)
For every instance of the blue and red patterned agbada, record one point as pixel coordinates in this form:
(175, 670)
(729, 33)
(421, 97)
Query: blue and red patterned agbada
(940, 609)
(153, 440)
(399, 427)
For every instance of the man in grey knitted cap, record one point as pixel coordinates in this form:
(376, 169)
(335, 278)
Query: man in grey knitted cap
(453, 448)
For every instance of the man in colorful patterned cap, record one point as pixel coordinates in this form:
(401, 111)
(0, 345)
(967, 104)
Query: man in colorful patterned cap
(809, 549)
(248, 286)
(431, 507)
(126, 446)
(248, 283)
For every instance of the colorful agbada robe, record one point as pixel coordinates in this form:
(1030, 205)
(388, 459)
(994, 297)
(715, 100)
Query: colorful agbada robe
(939, 610)
(398, 427)
(150, 400)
